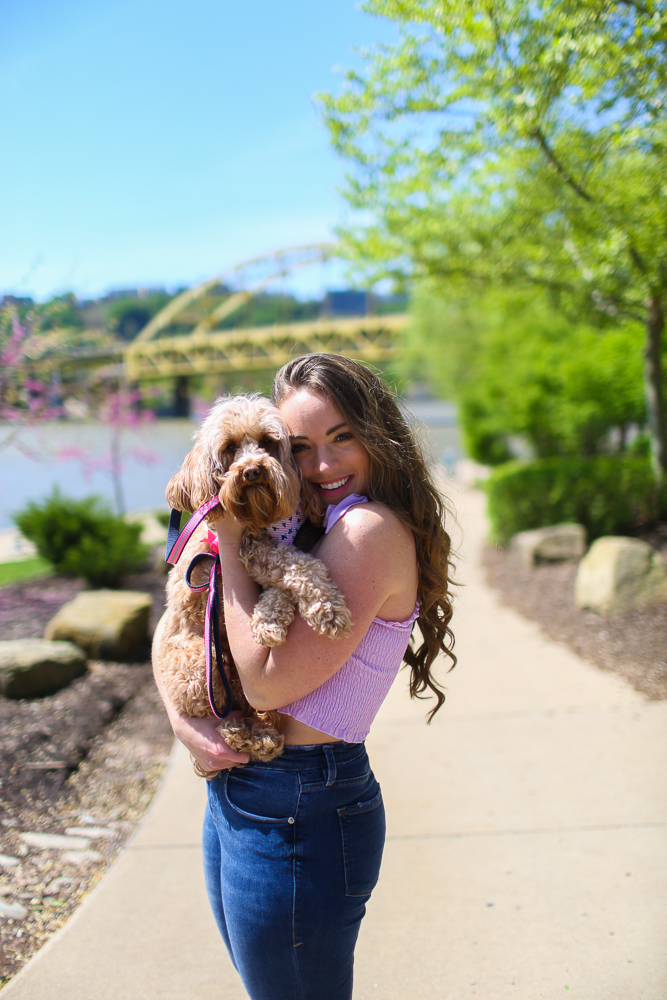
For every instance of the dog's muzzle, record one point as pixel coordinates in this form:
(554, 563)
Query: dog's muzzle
(252, 473)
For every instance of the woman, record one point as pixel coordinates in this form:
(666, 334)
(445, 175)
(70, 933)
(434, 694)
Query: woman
(292, 848)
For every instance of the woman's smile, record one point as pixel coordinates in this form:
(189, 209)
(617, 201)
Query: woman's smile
(325, 448)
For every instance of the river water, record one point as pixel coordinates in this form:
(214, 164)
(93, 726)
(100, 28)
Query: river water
(150, 456)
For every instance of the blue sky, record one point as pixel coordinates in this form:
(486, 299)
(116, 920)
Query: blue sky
(158, 142)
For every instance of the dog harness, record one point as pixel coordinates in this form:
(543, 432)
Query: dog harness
(283, 533)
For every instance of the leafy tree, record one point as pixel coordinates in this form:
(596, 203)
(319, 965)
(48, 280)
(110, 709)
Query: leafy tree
(518, 142)
(517, 367)
(127, 317)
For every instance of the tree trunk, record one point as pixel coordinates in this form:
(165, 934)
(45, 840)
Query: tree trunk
(655, 409)
(117, 470)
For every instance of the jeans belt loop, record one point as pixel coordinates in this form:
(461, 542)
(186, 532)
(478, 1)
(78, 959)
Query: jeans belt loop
(331, 765)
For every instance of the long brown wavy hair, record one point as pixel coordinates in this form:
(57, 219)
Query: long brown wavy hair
(399, 477)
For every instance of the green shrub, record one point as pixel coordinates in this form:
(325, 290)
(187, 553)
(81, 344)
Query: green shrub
(609, 495)
(83, 538)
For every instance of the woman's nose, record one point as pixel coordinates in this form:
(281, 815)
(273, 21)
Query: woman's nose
(324, 461)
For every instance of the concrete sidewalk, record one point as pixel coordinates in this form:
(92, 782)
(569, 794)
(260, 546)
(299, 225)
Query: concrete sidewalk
(526, 853)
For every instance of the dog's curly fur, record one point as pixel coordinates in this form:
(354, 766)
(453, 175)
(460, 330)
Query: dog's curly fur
(242, 454)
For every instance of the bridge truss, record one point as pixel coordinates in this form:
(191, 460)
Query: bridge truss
(370, 338)
(164, 350)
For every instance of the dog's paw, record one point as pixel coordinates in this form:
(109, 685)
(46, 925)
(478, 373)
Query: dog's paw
(326, 618)
(251, 736)
(267, 633)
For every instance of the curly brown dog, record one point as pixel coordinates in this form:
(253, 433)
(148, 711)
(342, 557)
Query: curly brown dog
(242, 454)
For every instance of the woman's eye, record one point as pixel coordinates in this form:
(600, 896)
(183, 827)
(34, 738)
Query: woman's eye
(296, 448)
(345, 436)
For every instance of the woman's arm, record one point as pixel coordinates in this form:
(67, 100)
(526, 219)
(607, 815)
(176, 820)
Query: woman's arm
(199, 736)
(370, 555)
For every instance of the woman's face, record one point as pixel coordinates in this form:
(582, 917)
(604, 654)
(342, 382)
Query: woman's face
(324, 446)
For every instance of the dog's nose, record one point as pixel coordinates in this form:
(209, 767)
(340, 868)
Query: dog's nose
(251, 474)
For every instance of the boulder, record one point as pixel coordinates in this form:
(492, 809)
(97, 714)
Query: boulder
(560, 541)
(153, 532)
(619, 573)
(32, 668)
(107, 624)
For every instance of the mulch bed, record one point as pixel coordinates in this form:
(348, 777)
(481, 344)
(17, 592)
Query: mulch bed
(632, 644)
(89, 755)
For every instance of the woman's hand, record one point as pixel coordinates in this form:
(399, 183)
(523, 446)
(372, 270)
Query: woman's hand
(202, 739)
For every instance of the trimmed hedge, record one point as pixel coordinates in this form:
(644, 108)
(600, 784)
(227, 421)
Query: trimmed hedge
(609, 495)
(83, 538)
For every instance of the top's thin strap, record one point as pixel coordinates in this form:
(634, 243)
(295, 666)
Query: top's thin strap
(335, 511)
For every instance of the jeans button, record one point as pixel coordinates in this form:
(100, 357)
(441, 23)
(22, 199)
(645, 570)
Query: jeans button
(291, 819)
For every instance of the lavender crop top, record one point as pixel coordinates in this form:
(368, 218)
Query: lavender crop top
(346, 704)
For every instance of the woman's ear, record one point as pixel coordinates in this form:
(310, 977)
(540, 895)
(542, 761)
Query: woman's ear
(194, 484)
(311, 503)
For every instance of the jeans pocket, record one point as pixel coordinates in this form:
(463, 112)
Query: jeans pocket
(263, 796)
(362, 829)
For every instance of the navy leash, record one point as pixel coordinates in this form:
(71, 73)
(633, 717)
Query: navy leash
(176, 542)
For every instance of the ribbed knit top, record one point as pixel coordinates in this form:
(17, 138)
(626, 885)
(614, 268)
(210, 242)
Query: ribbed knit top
(346, 704)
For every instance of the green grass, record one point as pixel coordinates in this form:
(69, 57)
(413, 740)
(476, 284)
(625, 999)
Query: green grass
(12, 572)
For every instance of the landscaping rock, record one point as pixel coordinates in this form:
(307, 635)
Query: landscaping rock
(107, 624)
(560, 541)
(153, 532)
(619, 573)
(54, 841)
(82, 857)
(94, 832)
(33, 668)
(61, 886)
(7, 861)
(13, 910)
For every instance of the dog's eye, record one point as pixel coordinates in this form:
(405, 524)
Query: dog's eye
(230, 448)
(266, 443)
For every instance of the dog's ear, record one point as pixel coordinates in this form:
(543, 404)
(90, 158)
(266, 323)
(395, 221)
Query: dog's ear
(311, 503)
(195, 483)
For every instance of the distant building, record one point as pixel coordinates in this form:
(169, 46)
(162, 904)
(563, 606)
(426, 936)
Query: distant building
(17, 301)
(348, 302)
(131, 293)
(352, 302)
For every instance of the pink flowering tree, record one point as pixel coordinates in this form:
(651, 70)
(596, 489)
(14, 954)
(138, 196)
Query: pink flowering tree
(30, 356)
(25, 399)
(120, 410)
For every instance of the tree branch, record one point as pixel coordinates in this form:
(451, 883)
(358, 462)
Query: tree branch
(628, 309)
(538, 134)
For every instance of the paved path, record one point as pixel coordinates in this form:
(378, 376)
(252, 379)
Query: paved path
(526, 852)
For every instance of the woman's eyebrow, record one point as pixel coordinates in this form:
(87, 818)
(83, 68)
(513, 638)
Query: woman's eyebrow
(336, 428)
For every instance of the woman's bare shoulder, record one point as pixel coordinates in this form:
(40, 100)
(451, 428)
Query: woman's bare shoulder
(372, 525)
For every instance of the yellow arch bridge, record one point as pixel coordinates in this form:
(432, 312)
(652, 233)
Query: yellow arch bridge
(188, 337)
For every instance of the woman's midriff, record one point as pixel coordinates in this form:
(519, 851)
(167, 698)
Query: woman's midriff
(298, 734)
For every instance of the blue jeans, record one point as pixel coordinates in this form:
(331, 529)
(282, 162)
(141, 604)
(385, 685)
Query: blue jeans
(292, 852)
